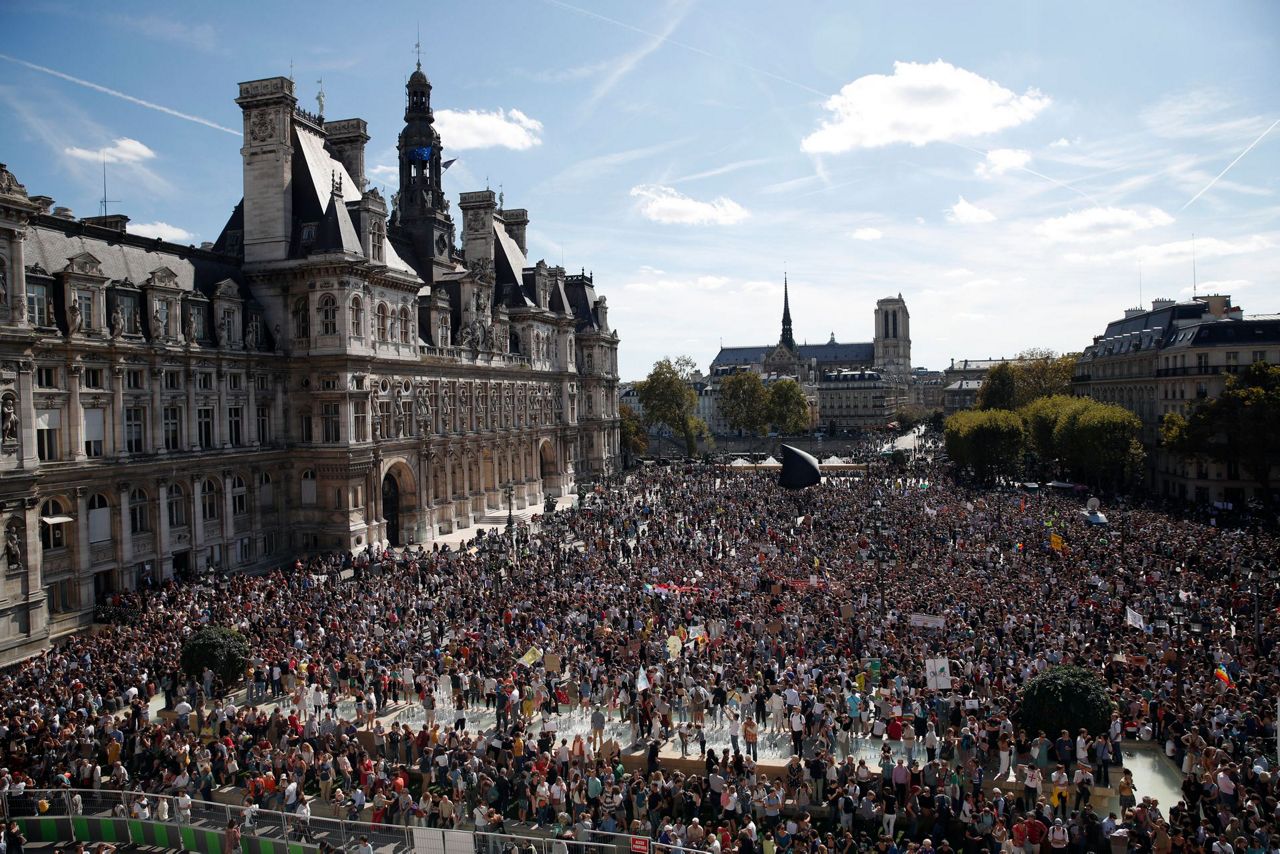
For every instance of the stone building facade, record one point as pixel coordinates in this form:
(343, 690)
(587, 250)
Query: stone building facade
(324, 376)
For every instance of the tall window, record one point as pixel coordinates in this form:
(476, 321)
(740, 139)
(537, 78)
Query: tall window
(264, 424)
(177, 507)
(404, 325)
(99, 519)
(304, 426)
(309, 487)
(39, 310)
(48, 433)
(301, 318)
(172, 428)
(360, 417)
(265, 498)
(204, 426)
(210, 506)
(382, 321)
(53, 524)
(139, 512)
(384, 412)
(328, 315)
(198, 323)
(357, 317)
(84, 301)
(235, 426)
(135, 432)
(329, 423)
(239, 497)
(94, 431)
(128, 305)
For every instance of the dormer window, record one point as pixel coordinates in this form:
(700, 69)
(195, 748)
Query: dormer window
(308, 234)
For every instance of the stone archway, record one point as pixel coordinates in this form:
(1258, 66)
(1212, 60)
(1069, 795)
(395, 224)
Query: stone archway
(399, 504)
(549, 467)
(391, 509)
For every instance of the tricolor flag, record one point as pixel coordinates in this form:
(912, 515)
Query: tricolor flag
(1221, 674)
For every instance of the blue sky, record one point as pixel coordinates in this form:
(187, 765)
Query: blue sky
(1013, 169)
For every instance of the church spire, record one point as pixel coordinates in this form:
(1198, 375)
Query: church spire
(788, 340)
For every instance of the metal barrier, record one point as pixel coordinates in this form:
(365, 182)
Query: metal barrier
(111, 815)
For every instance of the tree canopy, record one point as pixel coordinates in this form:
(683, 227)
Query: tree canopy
(634, 439)
(1064, 698)
(744, 402)
(1238, 425)
(669, 399)
(223, 650)
(988, 442)
(999, 388)
(788, 407)
(1041, 373)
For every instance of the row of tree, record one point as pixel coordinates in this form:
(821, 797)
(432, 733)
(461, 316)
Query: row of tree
(1074, 437)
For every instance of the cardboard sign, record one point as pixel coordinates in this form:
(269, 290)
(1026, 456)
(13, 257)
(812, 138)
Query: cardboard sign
(928, 621)
(551, 662)
(846, 612)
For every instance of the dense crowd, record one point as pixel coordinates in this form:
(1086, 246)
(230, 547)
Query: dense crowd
(694, 603)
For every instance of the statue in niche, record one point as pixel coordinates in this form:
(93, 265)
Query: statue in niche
(117, 322)
(251, 336)
(9, 420)
(189, 327)
(13, 545)
(74, 320)
(422, 409)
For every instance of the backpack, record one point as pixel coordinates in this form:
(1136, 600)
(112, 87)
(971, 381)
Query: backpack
(846, 805)
(948, 750)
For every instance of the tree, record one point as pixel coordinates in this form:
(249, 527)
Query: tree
(1238, 425)
(999, 388)
(223, 650)
(634, 439)
(988, 442)
(1107, 445)
(745, 402)
(1041, 417)
(788, 407)
(668, 399)
(1064, 698)
(1041, 373)
(911, 415)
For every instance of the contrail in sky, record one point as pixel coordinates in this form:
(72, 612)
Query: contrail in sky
(1208, 186)
(662, 38)
(115, 93)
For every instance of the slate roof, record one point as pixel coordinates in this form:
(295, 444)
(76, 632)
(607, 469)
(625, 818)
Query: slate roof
(862, 352)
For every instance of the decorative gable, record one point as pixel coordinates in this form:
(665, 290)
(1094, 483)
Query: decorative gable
(163, 277)
(83, 264)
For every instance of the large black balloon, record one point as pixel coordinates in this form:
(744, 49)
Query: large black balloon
(798, 469)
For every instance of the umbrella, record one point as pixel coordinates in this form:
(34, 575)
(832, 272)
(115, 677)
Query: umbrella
(798, 469)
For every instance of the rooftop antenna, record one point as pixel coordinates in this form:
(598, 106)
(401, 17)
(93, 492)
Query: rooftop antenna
(417, 46)
(1195, 284)
(105, 201)
(1139, 284)
(291, 69)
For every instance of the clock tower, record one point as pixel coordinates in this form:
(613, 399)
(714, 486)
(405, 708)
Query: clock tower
(421, 215)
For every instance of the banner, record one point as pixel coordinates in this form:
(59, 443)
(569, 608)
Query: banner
(927, 621)
(1133, 618)
(642, 680)
(937, 673)
(532, 657)
(1055, 542)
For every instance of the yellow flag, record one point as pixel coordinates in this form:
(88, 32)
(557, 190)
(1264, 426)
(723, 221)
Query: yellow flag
(1055, 542)
(532, 657)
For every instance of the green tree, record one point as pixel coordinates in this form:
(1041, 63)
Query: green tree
(1238, 425)
(223, 650)
(988, 442)
(1108, 450)
(668, 399)
(635, 441)
(788, 407)
(1041, 417)
(999, 388)
(1041, 373)
(911, 415)
(745, 402)
(1064, 698)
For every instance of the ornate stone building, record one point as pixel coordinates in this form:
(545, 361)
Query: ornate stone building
(322, 377)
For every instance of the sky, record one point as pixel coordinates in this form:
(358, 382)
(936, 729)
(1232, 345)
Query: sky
(1020, 172)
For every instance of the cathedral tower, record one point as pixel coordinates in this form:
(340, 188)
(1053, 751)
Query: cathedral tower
(892, 340)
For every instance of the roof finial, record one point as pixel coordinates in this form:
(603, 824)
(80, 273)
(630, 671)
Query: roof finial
(291, 69)
(417, 46)
(320, 96)
(500, 197)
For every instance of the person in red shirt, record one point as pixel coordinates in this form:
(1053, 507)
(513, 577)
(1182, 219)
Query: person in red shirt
(1036, 831)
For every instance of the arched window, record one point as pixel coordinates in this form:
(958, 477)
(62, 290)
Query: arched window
(265, 498)
(53, 525)
(239, 496)
(210, 507)
(382, 317)
(328, 315)
(139, 512)
(99, 519)
(357, 317)
(177, 507)
(404, 325)
(301, 318)
(309, 487)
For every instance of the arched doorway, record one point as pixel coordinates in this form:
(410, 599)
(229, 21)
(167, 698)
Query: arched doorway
(391, 508)
(547, 461)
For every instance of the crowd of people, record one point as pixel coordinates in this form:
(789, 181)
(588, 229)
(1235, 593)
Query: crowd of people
(625, 672)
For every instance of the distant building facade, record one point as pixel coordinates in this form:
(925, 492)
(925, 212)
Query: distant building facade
(1165, 360)
(322, 377)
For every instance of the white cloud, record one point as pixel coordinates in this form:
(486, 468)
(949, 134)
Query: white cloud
(1060, 142)
(868, 234)
(1178, 251)
(967, 213)
(1101, 223)
(918, 104)
(162, 230)
(466, 129)
(122, 150)
(1001, 160)
(384, 171)
(666, 205)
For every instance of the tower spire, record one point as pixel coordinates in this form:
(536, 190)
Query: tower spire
(787, 340)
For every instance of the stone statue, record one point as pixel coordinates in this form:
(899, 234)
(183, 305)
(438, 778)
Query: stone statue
(422, 409)
(13, 547)
(251, 337)
(4, 286)
(157, 323)
(8, 420)
(445, 401)
(117, 322)
(74, 321)
(467, 339)
(189, 327)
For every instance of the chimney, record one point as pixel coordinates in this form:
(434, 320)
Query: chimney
(44, 203)
(115, 222)
(207, 245)
(1216, 304)
(63, 212)
(516, 221)
(477, 230)
(602, 314)
(347, 138)
(1157, 304)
